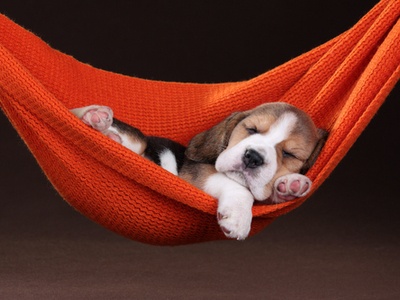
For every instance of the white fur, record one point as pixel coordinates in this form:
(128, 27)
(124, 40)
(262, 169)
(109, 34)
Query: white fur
(168, 161)
(127, 142)
(234, 205)
(230, 160)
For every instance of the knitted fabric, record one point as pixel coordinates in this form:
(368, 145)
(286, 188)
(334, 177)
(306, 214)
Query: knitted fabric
(341, 84)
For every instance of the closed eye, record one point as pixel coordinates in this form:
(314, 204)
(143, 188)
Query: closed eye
(252, 130)
(287, 154)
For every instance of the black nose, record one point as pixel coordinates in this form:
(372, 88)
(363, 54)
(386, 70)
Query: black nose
(252, 159)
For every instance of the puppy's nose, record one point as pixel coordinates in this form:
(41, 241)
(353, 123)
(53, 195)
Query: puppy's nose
(252, 159)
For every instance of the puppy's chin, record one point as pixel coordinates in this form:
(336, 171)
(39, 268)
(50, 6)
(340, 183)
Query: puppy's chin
(256, 180)
(238, 177)
(259, 192)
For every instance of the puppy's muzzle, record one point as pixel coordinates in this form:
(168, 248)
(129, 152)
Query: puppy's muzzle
(252, 159)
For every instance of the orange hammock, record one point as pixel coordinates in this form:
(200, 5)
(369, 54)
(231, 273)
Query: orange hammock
(341, 84)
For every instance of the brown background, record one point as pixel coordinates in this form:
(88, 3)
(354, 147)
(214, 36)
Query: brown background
(341, 244)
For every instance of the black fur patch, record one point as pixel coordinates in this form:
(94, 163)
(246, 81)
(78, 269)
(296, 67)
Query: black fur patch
(156, 145)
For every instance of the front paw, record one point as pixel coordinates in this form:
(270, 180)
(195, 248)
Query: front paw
(235, 221)
(291, 186)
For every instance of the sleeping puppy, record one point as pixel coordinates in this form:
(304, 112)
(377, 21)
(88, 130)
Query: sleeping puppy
(257, 154)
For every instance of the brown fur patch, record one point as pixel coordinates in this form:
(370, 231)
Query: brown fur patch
(295, 154)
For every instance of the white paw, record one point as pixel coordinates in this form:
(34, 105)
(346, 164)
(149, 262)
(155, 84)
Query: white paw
(98, 117)
(235, 221)
(291, 186)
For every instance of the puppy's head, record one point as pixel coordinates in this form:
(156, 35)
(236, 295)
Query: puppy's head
(256, 147)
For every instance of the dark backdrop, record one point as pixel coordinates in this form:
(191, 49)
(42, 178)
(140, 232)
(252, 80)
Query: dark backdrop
(342, 243)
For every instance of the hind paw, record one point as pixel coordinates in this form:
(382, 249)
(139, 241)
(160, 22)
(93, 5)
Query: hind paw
(98, 117)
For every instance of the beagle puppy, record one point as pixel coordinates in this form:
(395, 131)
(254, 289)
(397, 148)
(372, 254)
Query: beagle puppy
(260, 154)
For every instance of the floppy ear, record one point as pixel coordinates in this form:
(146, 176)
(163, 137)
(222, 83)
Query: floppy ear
(206, 146)
(322, 135)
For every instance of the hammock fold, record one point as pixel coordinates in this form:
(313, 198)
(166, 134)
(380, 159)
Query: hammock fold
(341, 84)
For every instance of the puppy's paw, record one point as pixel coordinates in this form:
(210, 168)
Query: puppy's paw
(291, 186)
(98, 117)
(235, 221)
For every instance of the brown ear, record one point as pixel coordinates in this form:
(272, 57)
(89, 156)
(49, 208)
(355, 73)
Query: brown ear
(323, 135)
(206, 146)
